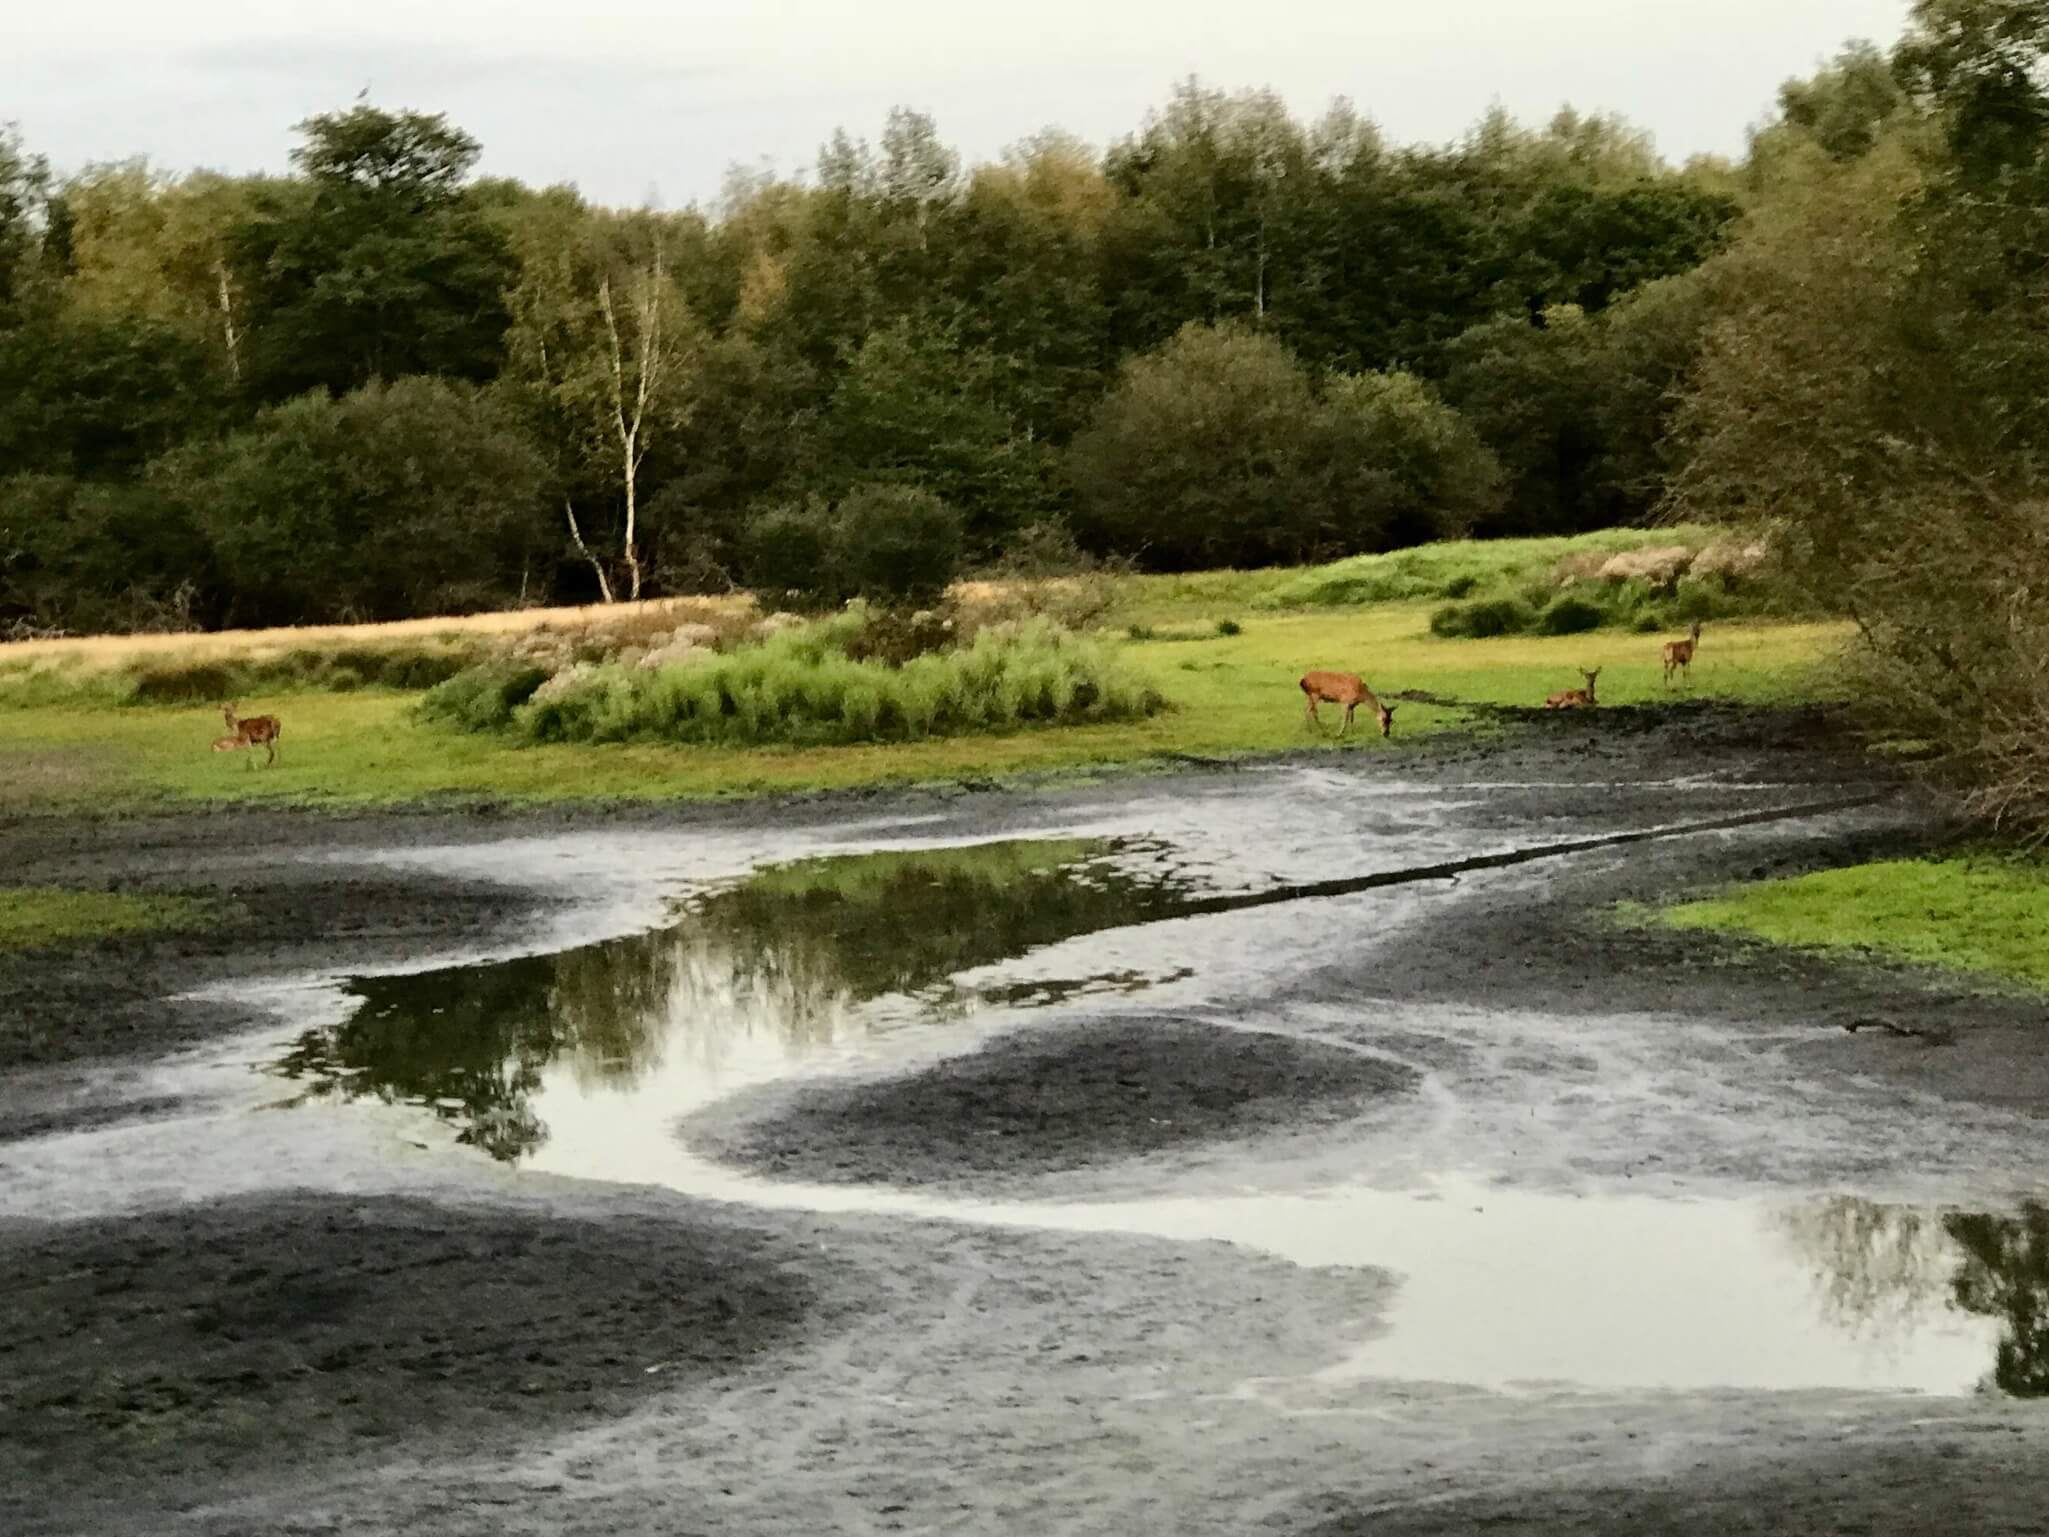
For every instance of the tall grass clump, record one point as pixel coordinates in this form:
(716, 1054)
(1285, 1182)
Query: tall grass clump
(800, 688)
(483, 697)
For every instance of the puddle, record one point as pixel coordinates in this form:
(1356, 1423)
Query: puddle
(876, 968)
(754, 976)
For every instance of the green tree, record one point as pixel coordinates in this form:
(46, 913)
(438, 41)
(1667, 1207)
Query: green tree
(375, 262)
(24, 195)
(1528, 390)
(915, 408)
(1217, 450)
(603, 348)
(415, 497)
(98, 395)
(87, 556)
(1399, 462)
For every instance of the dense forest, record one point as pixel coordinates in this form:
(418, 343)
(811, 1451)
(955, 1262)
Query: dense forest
(384, 386)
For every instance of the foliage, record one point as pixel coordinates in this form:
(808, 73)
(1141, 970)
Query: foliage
(400, 499)
(1217, 450)
(885, 542)
(482, 697)
(375, 263)
(802, 688)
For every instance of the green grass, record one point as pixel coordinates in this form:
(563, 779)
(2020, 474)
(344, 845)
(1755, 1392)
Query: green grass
(1227, 695)
(1988, 914)
(37, 917)
(1458, 568)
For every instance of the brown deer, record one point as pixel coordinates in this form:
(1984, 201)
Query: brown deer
(1679, 654)
(1349, 690)
(255, 731)
(1576, 698)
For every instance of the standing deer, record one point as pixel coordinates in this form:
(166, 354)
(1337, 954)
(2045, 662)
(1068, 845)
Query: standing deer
(256, 731)
(1576, 698)
(1679, 654)
(1349, 690)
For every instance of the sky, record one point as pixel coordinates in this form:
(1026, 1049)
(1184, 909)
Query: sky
(651, 103)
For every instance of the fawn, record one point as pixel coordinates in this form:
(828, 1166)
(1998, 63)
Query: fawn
(1576, 698)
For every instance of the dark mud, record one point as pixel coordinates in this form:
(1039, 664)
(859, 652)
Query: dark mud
(192, 1348)
(1983, 1484)
(1047, 1101)
(162, 1359)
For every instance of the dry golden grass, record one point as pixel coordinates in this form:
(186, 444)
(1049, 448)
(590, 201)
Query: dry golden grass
(113, 651)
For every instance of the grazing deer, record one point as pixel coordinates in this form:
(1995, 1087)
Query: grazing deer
(1349, 690)
(1576, 698)
(1679, 654)
(256, 731)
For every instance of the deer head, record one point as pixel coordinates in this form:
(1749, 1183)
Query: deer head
(1386, 714)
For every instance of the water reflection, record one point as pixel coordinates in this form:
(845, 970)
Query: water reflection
(1879, 1266)
(784, 954)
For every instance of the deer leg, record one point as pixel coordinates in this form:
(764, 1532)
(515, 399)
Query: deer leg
(1347, 726)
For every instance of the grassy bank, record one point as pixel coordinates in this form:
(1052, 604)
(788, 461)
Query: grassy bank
(1988, 915)
(1227, 695)
(38, 917)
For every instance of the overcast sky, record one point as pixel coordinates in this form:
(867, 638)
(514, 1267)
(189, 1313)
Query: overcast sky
(650, 101)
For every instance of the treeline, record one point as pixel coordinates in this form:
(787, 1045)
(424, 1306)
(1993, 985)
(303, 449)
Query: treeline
(382, 386)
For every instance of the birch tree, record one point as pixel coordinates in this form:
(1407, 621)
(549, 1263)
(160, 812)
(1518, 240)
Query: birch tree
(604, 344)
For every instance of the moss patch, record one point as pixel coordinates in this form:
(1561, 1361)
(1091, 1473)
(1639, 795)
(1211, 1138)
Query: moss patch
(1986, 914)
(37, 917)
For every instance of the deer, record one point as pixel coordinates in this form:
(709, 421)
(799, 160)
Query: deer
(1679, 655)
(255, 731)
(1576, 698)
(1349, 690)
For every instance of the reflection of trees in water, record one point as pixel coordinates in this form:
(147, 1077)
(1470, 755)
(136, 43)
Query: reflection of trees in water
(2005, 1273)
(1880, 1265)
(1876, 1266)
(784, 954)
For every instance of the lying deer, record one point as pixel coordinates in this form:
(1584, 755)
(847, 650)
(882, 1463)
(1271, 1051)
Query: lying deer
(1349, 690)
(255, 731)
(1576, 698)
(1679, 654)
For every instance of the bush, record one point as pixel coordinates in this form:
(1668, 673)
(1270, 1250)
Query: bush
(888, 543)
(787, 550)
(896, 544)
(1482, 619)
(802, 688)
(209, 680)
(1569, 615)
(482, 698)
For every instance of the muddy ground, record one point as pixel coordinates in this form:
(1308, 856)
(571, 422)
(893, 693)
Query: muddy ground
(446, 1347)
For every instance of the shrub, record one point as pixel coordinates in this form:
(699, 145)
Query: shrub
(1229, 627)
(482, 698)
(1482, 619)
(896, 544)
(787, 550)
(1570, 615)
(801, 687)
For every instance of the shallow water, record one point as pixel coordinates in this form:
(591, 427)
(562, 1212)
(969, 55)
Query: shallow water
(1607, 1203)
